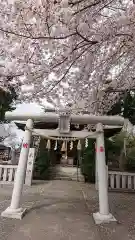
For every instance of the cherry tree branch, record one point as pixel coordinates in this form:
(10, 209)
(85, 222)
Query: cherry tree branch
(37, 37)
(11, 76)
(89, 6)
(67, 71)
(86, 39)
(77, 47)
(76, 2)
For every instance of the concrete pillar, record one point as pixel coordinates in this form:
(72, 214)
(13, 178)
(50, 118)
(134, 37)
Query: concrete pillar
(103, 215)
(96, 171)
(14, 210)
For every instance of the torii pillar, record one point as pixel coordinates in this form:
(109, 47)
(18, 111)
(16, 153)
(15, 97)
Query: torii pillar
(103, 216)
(14, 210)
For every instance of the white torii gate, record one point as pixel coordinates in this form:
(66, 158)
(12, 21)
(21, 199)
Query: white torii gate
(64, 120)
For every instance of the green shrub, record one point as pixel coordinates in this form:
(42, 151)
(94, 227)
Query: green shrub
(42, 163)
(123, 153)
(88, 161)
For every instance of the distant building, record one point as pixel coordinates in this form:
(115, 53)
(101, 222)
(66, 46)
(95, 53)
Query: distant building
(5, 153)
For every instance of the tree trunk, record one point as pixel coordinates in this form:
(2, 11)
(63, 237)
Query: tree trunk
(122, 161)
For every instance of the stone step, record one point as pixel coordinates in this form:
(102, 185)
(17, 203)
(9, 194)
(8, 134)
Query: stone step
(69, 179)
(64, 173)
(62, 178)
(61, 175)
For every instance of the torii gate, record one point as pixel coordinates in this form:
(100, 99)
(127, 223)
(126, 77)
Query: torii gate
(64, 119)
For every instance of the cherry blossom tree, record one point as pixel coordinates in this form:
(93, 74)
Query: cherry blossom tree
(68, 50)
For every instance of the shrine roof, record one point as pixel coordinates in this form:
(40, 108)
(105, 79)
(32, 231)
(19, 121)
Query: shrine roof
(3, 147)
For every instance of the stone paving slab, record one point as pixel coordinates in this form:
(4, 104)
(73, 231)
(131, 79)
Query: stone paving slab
(57, 210)
(63, 210)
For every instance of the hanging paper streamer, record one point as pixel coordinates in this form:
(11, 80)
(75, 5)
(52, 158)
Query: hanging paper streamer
(63, 149)
(79, 147)
(48, 145)
(71, 145)
(86, 142)
(55, 148)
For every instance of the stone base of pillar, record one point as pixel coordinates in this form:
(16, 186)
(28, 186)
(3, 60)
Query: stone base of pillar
(14, 213)
(100, 218)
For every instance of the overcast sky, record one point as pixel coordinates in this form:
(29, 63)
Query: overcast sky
(30, 107)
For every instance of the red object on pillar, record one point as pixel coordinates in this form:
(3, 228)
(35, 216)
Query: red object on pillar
(25, 145)
(101, 149)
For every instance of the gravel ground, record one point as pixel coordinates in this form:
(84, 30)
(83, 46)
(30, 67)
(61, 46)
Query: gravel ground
(122, 206)
(62, 210)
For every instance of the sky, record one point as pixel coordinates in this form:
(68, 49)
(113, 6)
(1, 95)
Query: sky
(20, 108)
(30, 107)
(18, 134)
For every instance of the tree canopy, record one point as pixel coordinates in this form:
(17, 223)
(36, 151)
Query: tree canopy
(68, 50)
(125, 106)
(7, 96)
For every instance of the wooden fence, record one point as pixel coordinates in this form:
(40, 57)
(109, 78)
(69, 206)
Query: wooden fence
(7, 173)
(116, 180)
(121, 181)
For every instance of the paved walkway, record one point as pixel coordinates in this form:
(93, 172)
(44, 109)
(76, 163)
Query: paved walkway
(62, 210)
